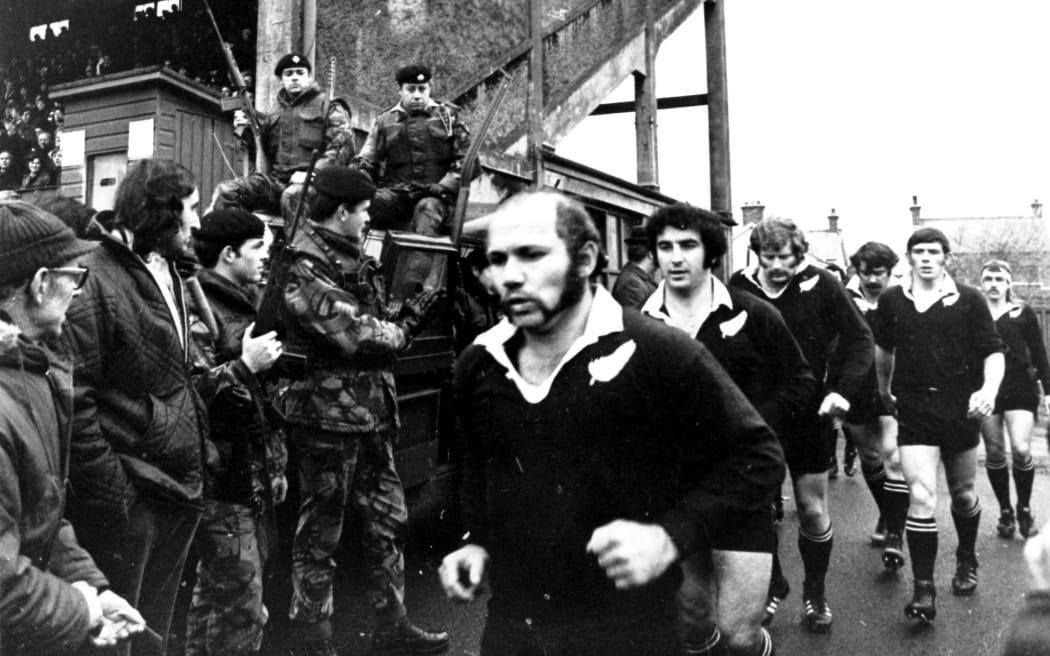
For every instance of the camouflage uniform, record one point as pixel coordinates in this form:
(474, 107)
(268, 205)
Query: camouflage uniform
(227, 614)
(416, 150)
(344, 423)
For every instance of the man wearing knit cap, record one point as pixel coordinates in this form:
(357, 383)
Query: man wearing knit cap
(238, 529)
(54, 597)
(140, 425)
(342, 416)
(290, 135)
(419, 144)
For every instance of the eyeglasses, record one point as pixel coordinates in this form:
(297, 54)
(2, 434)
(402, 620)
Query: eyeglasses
(81, 274)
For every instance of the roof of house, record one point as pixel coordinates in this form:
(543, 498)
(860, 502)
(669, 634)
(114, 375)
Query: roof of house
(1020, 234)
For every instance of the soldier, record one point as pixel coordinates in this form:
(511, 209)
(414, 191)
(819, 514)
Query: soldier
(237, 531)
(420, 144)
(635, 283)
(343, 415)
(838, 346)
(584, 496)
(939, 362)
(289, 137)
(725, 592)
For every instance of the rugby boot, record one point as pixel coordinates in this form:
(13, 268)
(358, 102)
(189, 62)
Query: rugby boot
(778, 592)
(849, 460)
(1025, 522)
(1005, 527)
(893, 552)
(923, 606)
(964, 583)
(878, 536)
(818, 613)
(407, 639)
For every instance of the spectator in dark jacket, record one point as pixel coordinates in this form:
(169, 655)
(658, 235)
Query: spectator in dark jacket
(139, 434)
(9, 177)
(635, 283)
(52, 596)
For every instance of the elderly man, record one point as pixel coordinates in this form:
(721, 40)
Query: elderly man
(419, 145)
(584, 499)
(54, 599)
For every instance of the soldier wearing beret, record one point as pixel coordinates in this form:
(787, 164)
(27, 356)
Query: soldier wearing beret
(414, 153)
(342, 417)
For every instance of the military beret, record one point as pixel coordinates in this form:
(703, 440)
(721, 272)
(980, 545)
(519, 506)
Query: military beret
(292, 59)
(344, 184)
(413, 74)
(230, 226)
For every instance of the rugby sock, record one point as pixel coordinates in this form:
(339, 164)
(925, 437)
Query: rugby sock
(875, 477)
(778, 574)
(816, 554)
(764, 647)
(999, 477)
(922, 543)
(895, 505)
(1024, 475)
(966, 524)
(708, 647)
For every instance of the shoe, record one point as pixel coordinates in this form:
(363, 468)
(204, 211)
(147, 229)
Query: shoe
(1025, 522)
(893, 552)
(407, 639)
(965, 581)
(818, 614)
(849, 462)
(923, 606)
(878, 536)
(1005, 527)
(778, 592)
(319, 648)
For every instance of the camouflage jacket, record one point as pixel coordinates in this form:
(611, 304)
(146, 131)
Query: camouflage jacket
(419, 148)
(245, 428)
(335, 313)
(298, 126)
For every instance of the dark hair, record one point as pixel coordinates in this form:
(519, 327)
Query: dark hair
(70, 211)
(774, 234)
(636, 252)
(107, 219)
(576, 228)
(149, 200)
(874, 255)
(322, 206)
(688, 217)
(996, 265)
(929, 236)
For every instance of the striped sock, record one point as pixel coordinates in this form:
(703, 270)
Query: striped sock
(1024, 476)
(922, 543)
(816, 554)
(896, 500)
(966, 524)
(999, 477)
(875, 477)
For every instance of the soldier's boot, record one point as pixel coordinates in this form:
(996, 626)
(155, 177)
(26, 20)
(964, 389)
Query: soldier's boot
(407, 639)
(923, 606)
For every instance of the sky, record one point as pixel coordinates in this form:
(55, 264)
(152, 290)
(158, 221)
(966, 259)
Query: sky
(856, 106)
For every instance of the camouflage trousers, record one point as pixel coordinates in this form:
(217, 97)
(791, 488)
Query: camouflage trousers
(227, 614)
(340, 473)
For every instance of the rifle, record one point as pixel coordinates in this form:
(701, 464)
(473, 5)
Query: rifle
(266, 319)
(470, 160)
(242, 89)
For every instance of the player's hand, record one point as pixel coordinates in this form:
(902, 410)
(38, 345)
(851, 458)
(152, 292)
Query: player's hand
(259, 353)
(120, 620)
(981, 404)
(91, 597)
(1037, 556)
(280, 489)
(462, 571)
(834, 405)
(632, 554)
(298, 178)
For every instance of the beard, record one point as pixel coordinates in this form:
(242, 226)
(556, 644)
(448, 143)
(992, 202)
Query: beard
(172, 245)
(574, 286)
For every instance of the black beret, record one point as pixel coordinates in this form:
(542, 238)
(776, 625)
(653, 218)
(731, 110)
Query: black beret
(413, 74)
(231, 226)
(344, 184)
(290, 60)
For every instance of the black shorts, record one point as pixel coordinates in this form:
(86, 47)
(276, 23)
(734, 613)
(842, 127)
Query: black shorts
(1017, 397)
(752, 532)
(934, 418)
(867, 409)
(809, 443)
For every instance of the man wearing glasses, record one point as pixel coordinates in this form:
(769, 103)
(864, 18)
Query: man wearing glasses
(139, 431)
(42, 611)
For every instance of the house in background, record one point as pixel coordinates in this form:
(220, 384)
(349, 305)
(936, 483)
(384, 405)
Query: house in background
(826, 246)
(1022, 241)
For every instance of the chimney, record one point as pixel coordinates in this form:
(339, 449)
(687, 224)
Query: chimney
(753, 213)
(915, 207)
(833, 221)
(1037, 209)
